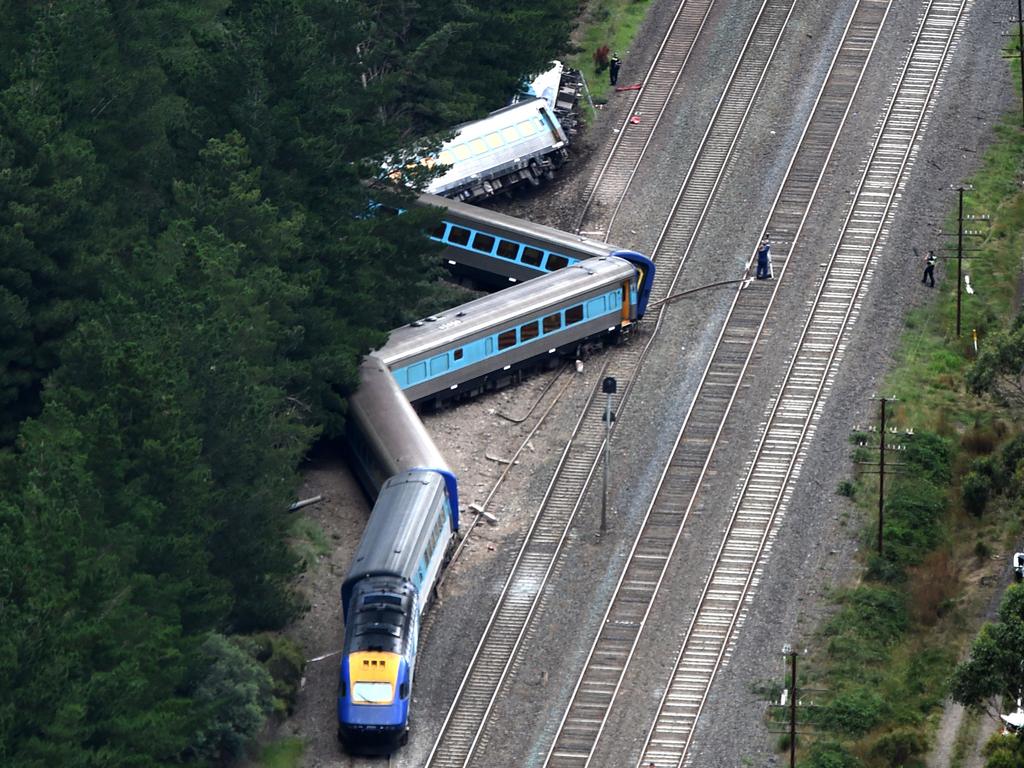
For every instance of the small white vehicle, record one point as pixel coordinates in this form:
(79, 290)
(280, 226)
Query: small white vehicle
(1018, 566)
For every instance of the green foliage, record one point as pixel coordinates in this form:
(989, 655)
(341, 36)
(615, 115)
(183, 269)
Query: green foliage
(186, 287)
(285, 753)
(828, 753)
(994, 667)
(854, 711)
(899, 746)
(870, 617)
(929, 455)
(1004, 752)
(975, 491)
(997, 371)
(284, 662)
(914, 522)
(233, 698)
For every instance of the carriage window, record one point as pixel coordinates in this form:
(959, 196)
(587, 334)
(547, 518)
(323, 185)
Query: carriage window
(417, 372)
(507, 249)
(552, 323)
(532, 256)
(439, 231)
(528, 331)
(574, 314)
(595, 307)
(507, 339)
(478, 146)
(457, 354)
(510, 134)
(446, 158)
(556, 262)
(482, 242)
(526, 128)
(461, 152)
(458, 235)
(494, 140)
(438, 365)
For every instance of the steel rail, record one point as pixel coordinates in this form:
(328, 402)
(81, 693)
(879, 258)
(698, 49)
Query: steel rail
(461, 731)
(598, 686)
(631, 141)
(777, 457)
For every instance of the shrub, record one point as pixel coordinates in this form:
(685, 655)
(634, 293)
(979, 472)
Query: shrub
(975, 492)
(896, 747)
(846, 488)
(931, 455)
(979, 440)
(232, 701)
(284, 662)
(601, 59)
(854, 712)
(982, 550)
(913, 520)
(829, 754)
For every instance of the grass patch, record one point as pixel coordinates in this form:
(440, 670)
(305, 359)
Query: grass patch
(282, 754)
(884, 656)
(308, 541)
(611, 23)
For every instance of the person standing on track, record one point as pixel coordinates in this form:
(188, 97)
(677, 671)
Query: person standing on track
(613, 68)
(764, 259)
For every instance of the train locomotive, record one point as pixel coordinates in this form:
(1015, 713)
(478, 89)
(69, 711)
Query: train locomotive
(408, 539)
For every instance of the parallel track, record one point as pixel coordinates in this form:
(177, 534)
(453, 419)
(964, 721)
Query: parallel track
(778, 456)
(503, 635)
(602, 677)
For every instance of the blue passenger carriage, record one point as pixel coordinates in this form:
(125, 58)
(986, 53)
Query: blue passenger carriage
(495, 250)
(486, 341)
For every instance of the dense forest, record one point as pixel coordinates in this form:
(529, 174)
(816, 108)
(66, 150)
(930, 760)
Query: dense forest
(187, 282)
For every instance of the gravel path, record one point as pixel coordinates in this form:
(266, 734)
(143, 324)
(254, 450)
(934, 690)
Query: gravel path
(816, 547)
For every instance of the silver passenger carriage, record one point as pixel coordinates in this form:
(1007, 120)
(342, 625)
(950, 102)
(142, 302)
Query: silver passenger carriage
(484, 342)
(522, 142)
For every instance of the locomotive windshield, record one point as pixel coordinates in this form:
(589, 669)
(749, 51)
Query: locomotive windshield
(372, 693)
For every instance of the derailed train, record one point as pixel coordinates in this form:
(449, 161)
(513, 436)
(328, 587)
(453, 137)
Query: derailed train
(409, 536)
(521, 142)
(495, 250)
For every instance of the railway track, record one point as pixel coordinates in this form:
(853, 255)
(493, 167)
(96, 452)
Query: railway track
(461, 731)
(607, 188)
(778, 454)
(464, 728)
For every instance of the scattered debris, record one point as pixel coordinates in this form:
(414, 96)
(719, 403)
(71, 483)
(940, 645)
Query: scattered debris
(476, 509)
(306, 502)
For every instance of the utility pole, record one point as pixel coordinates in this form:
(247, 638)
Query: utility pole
(961, 233)
(792, 712)
(608, 386)
(1020, 49)
(959, 257)
(881, 470)
(885, 433)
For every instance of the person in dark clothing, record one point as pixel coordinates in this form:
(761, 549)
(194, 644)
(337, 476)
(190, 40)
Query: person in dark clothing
(764, 259)
(929, 269)
(613, 68)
